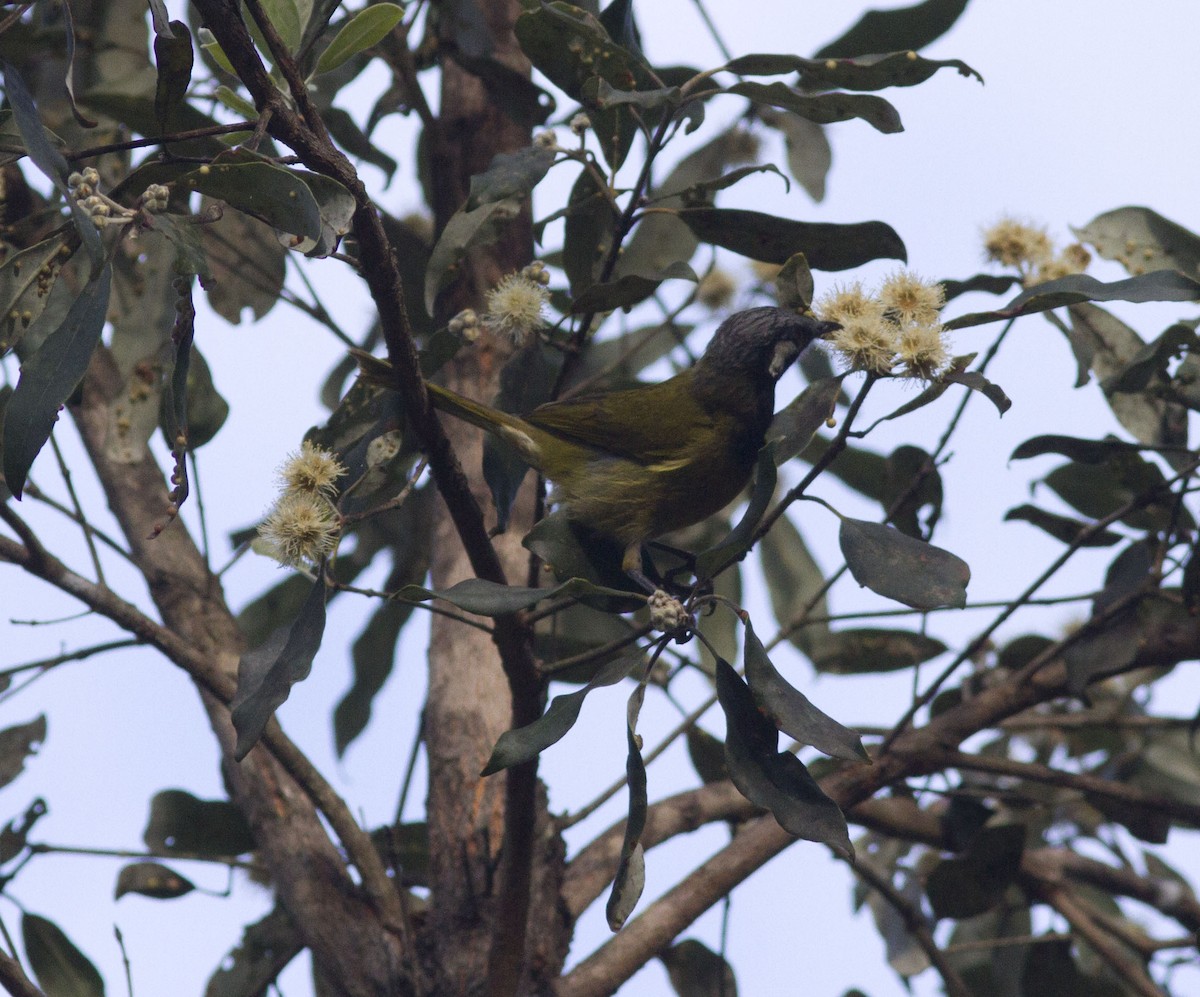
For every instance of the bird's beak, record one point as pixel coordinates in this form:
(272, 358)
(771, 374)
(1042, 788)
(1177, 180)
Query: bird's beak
(828, 329)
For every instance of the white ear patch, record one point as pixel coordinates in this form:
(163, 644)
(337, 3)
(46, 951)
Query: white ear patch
(785, 354)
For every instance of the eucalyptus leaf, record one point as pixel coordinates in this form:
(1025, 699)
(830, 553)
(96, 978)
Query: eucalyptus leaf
(266, 674)
(898, 28)
(1160, 285)
(60, 968)
(630, 878)
(872, 650)
(1142, 240)
(790, 710)
(1063, 528)
(364, 29)
(823, 108)
(826, 246)
(49, 377)
(152, 879)
(776, 781)
(867, 72)
(182, 824)
(629, 289)
(525, 743)
(901, 567)
(17, 744)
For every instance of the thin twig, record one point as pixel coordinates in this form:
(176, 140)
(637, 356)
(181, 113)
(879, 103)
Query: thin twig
(917, 925)
(141, 143)
(65, 471)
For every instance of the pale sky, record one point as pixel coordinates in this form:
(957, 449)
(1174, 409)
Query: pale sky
(1086, 108)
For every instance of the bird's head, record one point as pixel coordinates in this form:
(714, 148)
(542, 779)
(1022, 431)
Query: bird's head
(761, 343)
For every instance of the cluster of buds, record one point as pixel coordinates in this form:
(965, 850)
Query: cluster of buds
(465, 324)
(1014, 243)
(580, 123)
(546, 140)
(303, 526)
(84, 189)
(155, 198)
(897, 325)
(515, 305)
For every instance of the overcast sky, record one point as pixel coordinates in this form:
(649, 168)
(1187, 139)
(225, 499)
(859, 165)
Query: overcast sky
(1087, 106)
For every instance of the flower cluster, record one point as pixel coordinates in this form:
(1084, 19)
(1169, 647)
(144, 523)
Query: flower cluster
(515, 305)
(303, 527)
(1015, 243)
(895, 325)
(84, 190)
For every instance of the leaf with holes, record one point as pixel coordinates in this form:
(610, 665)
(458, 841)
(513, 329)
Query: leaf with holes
(152, 879)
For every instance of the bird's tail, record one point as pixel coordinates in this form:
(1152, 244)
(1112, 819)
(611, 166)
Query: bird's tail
(510, 428)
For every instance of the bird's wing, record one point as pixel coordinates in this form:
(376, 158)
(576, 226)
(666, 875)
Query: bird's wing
(647, 424)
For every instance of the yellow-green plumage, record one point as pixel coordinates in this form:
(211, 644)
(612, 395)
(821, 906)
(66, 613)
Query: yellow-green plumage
(638, 463)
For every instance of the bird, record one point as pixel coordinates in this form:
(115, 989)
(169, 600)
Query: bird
(637, 463)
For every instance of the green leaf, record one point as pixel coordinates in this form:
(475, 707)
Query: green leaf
(870, 72)
(1062, 528)
(50, 161)
(764, 237)
(588, 233)
(1161, 285)
(824, 108)
(17, 743)
(24, 278)
(570, 46)
(776, 781)
(707, 754)
(152, 879)
(49, 377)
(793, 581)
(794, 284)
(510, 175)
(900, 28)
(479, 227)
(524, 743)
(266, 674)
(901, 567)
(247, 261)
(173, 56)
(983, 282)
(1079, 450)
(697, 971)
(1151, 361)
(61, 969)
(809, 156)
(253, 965)
(629, 289)
(1142, 241)
(336, 207)
(1098, 490)
(630, 878)
(15, 833)
(364, 29)
(977, 382)
(253, 184)
(181, 824)
(912, 483)
(600, 91)
(870, 650)
(976, 882)
(790, 710)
